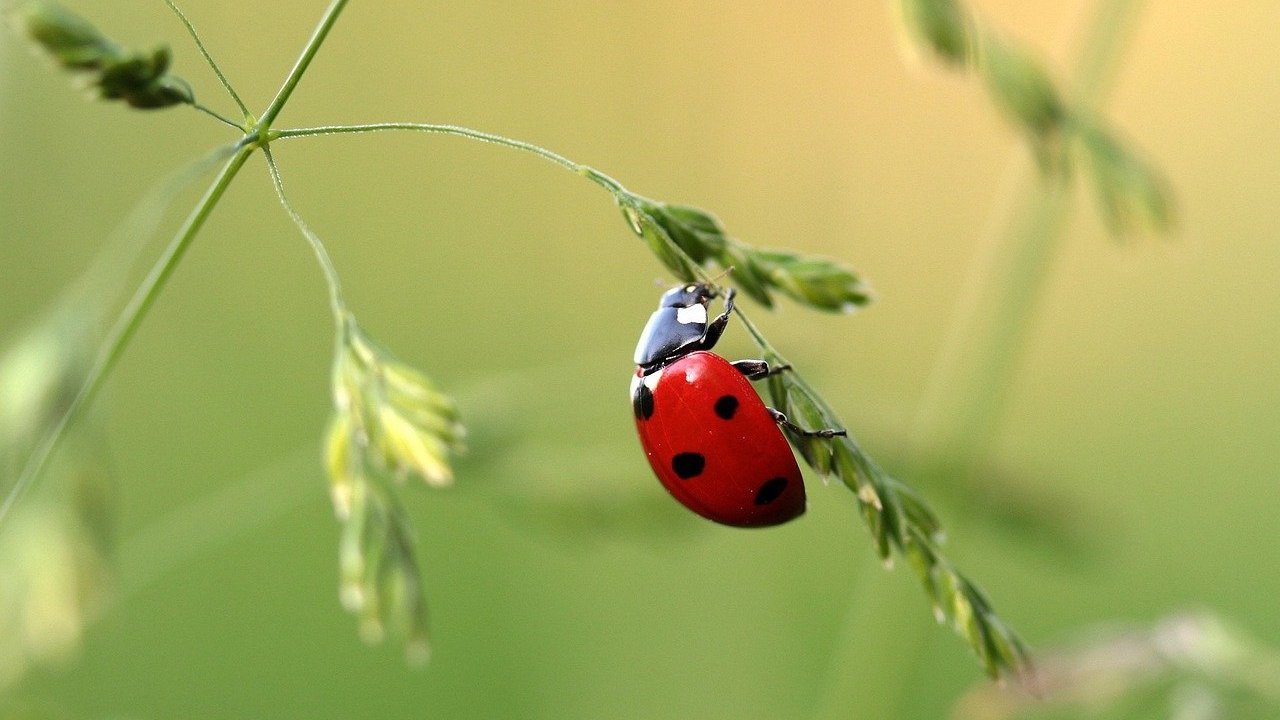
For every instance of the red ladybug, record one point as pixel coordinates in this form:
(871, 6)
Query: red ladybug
(712, 442)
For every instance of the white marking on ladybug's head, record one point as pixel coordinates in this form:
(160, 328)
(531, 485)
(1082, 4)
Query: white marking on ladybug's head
(651, 380)
(692, 314)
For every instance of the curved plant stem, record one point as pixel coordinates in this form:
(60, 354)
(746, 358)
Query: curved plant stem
(217, 116)
(204, 52)
(774, 357)
(130, 319)
(336, 303)
(599, 178)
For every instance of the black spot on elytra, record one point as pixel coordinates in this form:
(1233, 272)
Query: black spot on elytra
(688, 465)
(726, 406)
(642, 402)
(771, 490)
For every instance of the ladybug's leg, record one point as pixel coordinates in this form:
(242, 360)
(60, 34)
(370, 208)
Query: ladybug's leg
(758, 369)
(716, 327)
(782, 420)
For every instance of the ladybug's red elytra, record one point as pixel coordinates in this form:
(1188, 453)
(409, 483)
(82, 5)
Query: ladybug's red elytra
(710, 439)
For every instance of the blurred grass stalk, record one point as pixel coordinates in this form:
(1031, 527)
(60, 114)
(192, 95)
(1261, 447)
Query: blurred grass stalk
(52, 572)
(967, 395)
(54, 552)
(965, 399)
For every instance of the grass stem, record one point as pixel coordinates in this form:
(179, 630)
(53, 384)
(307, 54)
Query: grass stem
(334, 285)
(599, 178)
(204, 52)
(304, 61)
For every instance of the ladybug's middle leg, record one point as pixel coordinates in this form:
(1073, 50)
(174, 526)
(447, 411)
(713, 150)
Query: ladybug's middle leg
(758, 369)
(825, 433)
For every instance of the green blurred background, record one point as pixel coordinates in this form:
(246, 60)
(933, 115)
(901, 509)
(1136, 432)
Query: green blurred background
(562, 581)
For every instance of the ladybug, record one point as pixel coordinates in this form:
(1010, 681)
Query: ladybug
(710, 439)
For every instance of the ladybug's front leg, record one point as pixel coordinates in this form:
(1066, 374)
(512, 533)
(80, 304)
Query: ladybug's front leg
(781, 419)
(716, 327)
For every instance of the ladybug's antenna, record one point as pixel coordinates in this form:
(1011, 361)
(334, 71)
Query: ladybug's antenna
(714, 281)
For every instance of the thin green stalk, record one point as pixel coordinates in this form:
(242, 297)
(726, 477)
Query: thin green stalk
(128, 322)
(217, 116)
(204, 52)
(965, 401)
(770, 351)
(336, 303)
(604, 181)
(300, 67)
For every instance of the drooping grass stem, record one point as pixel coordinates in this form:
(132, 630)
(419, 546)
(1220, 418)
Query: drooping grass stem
(599, 178)
(334, 285)
(615, 188)
(204, 52)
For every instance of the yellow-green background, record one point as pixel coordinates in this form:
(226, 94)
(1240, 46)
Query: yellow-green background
(562, 582)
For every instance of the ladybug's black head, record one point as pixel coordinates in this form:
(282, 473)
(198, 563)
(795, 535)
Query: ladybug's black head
(677, 327)
(683, 296)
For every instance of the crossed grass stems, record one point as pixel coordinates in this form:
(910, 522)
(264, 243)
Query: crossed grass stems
(379, 570)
